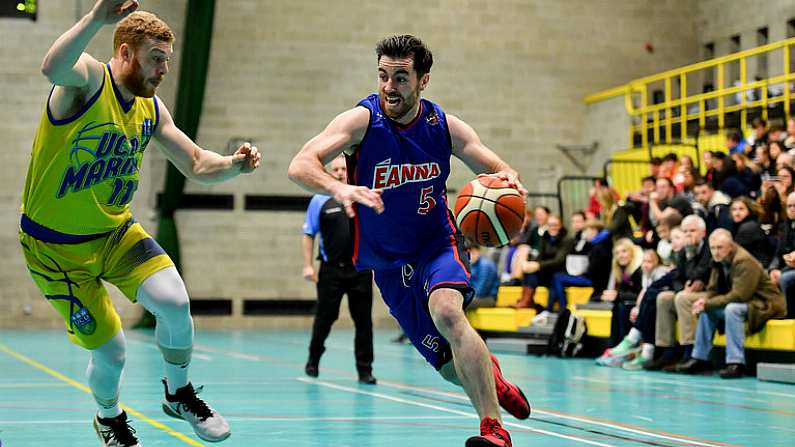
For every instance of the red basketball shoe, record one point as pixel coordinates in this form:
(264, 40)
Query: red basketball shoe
(491, 435)
(511, 398)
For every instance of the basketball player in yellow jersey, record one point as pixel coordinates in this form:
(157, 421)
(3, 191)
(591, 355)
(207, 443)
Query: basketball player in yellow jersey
(76, 227)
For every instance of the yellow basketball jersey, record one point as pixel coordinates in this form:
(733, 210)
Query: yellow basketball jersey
(83, 171)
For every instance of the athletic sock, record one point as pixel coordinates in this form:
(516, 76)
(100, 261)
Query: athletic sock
(633, 336)
(647, 351)
(176, 376)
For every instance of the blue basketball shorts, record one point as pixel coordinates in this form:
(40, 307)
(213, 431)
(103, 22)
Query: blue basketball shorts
(406, 291)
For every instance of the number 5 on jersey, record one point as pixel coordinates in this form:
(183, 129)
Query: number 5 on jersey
(427, 202)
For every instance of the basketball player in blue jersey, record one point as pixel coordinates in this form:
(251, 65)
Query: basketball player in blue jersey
(398, 148)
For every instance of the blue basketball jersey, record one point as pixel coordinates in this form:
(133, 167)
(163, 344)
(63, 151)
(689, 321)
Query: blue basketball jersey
(410, 164)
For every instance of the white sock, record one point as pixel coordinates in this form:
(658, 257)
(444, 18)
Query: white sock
(109, 412)
(634, 336)
(176, 376)
(647, 351)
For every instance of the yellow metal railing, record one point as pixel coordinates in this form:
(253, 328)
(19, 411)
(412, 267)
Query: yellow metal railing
(666, 120)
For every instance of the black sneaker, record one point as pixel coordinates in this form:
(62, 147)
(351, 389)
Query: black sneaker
(311, 369)
(367, 379)
(186, 405)
(115, 432)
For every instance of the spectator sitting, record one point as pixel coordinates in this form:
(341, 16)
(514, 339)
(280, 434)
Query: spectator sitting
(690, 176)
(484, 279)
(577, 221)
(746, 229)
(597, 272)
(789, 142)
(671, 219)
(748, 173)
(738, 291)
(784, 160)
(651, 271)
(685, 163)
(669, 166)
(777, 134)
(775, 149)
(758, 137)
(654, 166)
(638, 203)
(723, 176)
(782, 268)
(763, 160)
(538, 269)
(735, 142)
(690, 275)
(715, 204)
(623, 287)
(664, 197)
(774, 194)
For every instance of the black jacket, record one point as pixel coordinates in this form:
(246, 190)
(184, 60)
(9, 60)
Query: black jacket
(628, 291)
(696, 268)
(749, 235)
(599, 263)
(785, 245)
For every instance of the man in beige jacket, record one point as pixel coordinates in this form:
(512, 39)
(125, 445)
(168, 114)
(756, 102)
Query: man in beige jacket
(739, 290)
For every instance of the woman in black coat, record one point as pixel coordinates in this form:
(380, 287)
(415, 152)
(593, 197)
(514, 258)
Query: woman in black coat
(747, 232)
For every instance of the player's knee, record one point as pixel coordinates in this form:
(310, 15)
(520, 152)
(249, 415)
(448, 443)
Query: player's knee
(446, 313)
(110, 358)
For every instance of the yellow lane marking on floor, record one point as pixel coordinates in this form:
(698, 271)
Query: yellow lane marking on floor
(85, 389)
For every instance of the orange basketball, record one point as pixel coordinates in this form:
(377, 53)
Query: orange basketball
(489, 212)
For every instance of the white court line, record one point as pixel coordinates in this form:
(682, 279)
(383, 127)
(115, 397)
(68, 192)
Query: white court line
(447, 410)
(700, 386)
(557, 415)
(265, 419)
(463, 397)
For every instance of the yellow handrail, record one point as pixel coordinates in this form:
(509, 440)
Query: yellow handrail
(656, 122)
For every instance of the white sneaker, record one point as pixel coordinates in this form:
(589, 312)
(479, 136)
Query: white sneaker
(542, 318)
(116, 432)
(186, 405)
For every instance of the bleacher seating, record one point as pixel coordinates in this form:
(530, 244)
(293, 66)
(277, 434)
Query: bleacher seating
(778, 335)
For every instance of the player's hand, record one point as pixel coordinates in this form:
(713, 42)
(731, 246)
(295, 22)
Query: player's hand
(609, 295)
(247, 157)
(512, 177)
(347, 195)
(698, 306)
(633, 314)
(112, 11)
(310, 274)
(775, 276)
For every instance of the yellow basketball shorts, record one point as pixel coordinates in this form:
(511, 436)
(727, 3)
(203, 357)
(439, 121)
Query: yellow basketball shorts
(70, 275)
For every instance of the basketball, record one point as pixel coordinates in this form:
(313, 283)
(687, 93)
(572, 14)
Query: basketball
(489, 212)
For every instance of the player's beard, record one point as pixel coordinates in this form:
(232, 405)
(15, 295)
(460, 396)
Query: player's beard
(135, 82)
(405, 106)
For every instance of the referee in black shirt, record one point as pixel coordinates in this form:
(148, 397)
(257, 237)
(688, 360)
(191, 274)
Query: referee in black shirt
(337, 276)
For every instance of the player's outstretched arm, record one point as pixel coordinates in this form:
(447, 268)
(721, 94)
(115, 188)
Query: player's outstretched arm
(343, 134)
(480, 159)
(199, 164)
(66, 64)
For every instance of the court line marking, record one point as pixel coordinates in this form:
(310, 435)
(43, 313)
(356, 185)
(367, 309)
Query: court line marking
(669, 437)
(447, 410)
(691, 385)
(268, 419)
(611, 424)
(81, 387)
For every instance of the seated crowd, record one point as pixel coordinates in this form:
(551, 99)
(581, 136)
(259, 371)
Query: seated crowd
(688, 252)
